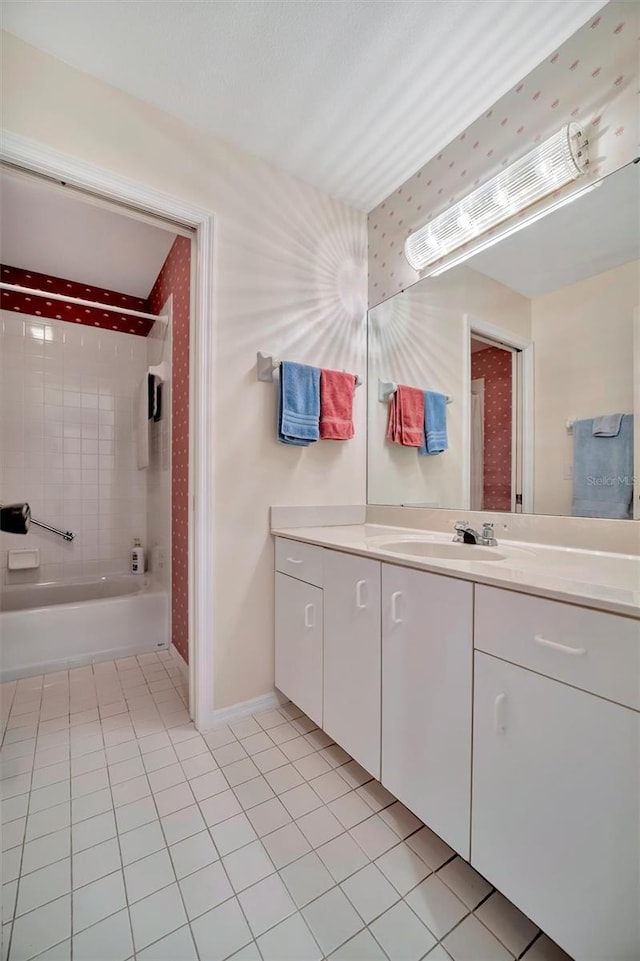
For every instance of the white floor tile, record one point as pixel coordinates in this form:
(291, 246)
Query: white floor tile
(174, 799)
(13, 833)
(437, 906)
(374, 836)
(220, 807)
(96, 862)
(296, 748)
(88, 783)
(98, 900)
(342, 856)
(545, 950)
(87, 807)
(470, 886)
(300, 800)
(256, 743)
(401, 934)
(307, 878)
(333, 755)
(370, 892)
(248, 865)
(284, 778)
(291, 940)
(332, 920)
(9, 898)
(251, 793)
(245, 727)
(177, 946)
(283, 732)
(268, 817)
(156, 760)
(182, 824)
(208, 785)
(46, 822)
(403, 868)
(219, 737)
(319, 826)
(350, 809)
(166, 777)
(221, 932)
(148, 875)
(129, 791)
(85, 834)
(16, 807)
(361, 948)
(286, 845)
(229, 753)
(192, 854)
(44, 885)
(199, 764)
(192, 747)
(89, 762)
(232, 834)
(47, 797)
(330, 786)
(354, 775)
(266, 903)
(375, 795)
(141, 842)
(112, 935)
(205, 889)
(312, 766)
(133, 815)
(269, 760)
(430, 848)
(509, 925)
(33, 933)
(46, 850)
(471, 941)
(156, 916)
(400, 820)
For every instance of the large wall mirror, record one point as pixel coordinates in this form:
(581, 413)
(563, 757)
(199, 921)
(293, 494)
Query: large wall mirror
(534, 342)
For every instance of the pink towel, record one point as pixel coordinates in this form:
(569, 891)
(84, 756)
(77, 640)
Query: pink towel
(406, 417)
(336, 405)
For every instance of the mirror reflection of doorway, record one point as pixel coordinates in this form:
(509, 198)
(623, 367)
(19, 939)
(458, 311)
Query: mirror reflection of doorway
(493, 434)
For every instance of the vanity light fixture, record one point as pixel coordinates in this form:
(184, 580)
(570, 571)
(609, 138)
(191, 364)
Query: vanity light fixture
(552, 165)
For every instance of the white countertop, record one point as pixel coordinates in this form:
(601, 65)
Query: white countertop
(604, 581)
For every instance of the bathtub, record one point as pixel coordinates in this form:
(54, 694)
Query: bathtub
(56, 626)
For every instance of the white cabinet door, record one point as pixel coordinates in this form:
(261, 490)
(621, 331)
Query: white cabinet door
(299, 644)
(556, 807)
(427, 656)
(352, 656)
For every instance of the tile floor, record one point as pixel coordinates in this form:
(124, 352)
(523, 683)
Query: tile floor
(128, 835)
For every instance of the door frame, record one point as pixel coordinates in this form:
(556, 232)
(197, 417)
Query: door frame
(37, 158)
(474, 325)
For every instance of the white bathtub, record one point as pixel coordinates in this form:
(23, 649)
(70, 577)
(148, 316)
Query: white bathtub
(53, 627)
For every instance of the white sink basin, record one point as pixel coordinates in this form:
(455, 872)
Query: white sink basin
(452, 551)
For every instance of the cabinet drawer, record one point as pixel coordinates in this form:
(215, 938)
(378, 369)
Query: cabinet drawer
(590, 650)
(303, 561)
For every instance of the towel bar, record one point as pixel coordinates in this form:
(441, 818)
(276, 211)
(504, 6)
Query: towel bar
(266, 365)
(388, 387)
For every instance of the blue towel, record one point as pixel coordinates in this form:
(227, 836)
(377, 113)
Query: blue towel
(607, 426)
(299, 406)
(602, 470)
(435, 423)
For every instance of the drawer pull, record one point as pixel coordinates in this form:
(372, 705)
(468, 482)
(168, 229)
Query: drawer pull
(309, 621)
(578, 651)
(360, 604)
(395, 597)
(499, 714)
(292, 560)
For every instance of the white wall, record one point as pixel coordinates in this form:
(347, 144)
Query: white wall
(583, 338)
(66, 442)
(291, 279)
(419, 338)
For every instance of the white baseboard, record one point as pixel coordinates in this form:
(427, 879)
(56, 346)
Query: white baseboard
(180, 661)
(266, 702)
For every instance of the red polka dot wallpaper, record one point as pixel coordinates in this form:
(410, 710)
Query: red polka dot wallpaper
(108, 318)
(495, 367)
(175, 278)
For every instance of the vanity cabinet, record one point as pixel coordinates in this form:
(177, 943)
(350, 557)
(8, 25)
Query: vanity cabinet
(352, 656)
(427, 657)
(556, 805)
(299, 640)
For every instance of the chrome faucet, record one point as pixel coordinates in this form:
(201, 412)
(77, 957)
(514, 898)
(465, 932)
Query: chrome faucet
(466, 534)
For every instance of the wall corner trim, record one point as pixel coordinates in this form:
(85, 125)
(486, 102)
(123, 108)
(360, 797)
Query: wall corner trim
(266, 702)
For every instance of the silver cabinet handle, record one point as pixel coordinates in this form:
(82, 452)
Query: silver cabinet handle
(576, 651)
(309, 621)
(360, 604)
(395, 597)
(292, 560)
(499, 714)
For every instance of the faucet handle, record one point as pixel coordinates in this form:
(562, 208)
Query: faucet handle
(488, 536)
(487, 528)
(461, 526)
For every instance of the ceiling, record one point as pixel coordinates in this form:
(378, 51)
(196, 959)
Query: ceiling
(351, 96)
(49, 230)
(597, 232)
